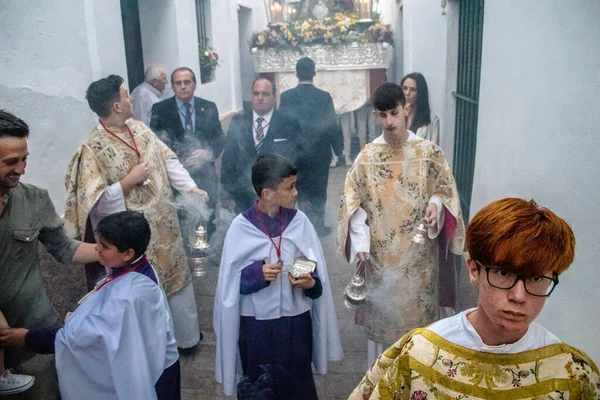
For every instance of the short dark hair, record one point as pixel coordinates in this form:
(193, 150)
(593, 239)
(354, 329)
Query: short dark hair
(13, 126)
(269, 171)
(388, 97)
(126, 230)
(183, 69)
(263, 79)
(103, 93)
(305, 69)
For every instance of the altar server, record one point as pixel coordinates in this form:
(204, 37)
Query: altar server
(270, 326)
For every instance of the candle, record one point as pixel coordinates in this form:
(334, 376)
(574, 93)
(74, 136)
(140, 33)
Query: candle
(277, 13)
(365, 9)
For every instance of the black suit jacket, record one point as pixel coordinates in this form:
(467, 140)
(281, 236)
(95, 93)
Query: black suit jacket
(313, 108)
(283, 138)
(166, 123)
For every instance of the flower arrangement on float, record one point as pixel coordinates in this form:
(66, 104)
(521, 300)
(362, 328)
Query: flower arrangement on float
(342, 28)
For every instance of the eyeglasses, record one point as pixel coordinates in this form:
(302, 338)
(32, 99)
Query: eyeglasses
(540, 286)
(408, 89)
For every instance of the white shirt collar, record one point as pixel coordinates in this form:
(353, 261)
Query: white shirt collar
(100, 127)
(266, 117)
(381, 140)
(180, 103)
(457, 329)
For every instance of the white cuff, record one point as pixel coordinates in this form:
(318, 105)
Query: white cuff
(179, 177)
(359, 233)
(441, 217)
(111, 201)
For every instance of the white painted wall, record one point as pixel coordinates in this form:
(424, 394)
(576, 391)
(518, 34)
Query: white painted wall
(49, 54)
(246, 26)
(169, 38)
(51, 51)
(170, 35)
(538, 137)
(258, 22)
(387, 11)
(425, 51)
(448, 112)
(158, 21)
(227, 87)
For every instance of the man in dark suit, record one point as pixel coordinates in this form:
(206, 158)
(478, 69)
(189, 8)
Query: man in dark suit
(314, 109)
(190, 126)
(252, 134)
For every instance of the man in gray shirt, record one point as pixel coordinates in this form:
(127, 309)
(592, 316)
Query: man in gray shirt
(27, 216)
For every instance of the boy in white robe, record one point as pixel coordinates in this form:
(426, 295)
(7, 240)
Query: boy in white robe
(269, 325)
(119, 343)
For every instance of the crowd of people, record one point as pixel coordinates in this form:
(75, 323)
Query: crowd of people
(274, 314)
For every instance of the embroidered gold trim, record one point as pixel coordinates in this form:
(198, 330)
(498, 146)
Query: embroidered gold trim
(584, 357)
(491, 358)
(537, 389)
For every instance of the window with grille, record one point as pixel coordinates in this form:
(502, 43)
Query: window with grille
(470, 39)
(203, 19)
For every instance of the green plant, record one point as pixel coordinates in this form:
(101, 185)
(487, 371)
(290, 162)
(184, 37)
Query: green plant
(209, 58)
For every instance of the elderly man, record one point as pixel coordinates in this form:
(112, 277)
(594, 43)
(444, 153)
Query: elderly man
(148, 93)
(313, 108)
(190, 126)
(124, 166)
(27, 216)
(260, 131)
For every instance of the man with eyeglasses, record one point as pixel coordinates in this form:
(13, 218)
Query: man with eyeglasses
(517, 250)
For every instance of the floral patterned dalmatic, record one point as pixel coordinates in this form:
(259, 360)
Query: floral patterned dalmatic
(394, 185)
(425, 366)
(103, 160)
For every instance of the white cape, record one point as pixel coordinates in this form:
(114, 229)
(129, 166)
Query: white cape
(245, 244)
(117, 343)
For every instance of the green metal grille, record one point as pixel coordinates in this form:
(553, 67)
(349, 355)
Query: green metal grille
(470, 39)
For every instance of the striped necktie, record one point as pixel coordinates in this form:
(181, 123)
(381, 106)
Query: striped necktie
(260, 133)
(188, 116)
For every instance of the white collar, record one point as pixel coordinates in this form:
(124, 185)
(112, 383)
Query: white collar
(266, 117)
(100, 127)
(181, 103)
(381, 140)
(457, 329)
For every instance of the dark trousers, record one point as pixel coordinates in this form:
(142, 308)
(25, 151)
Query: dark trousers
(168, 386)
(276, 358)
(312, 191)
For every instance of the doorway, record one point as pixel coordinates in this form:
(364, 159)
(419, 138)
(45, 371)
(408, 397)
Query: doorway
(130, 15)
